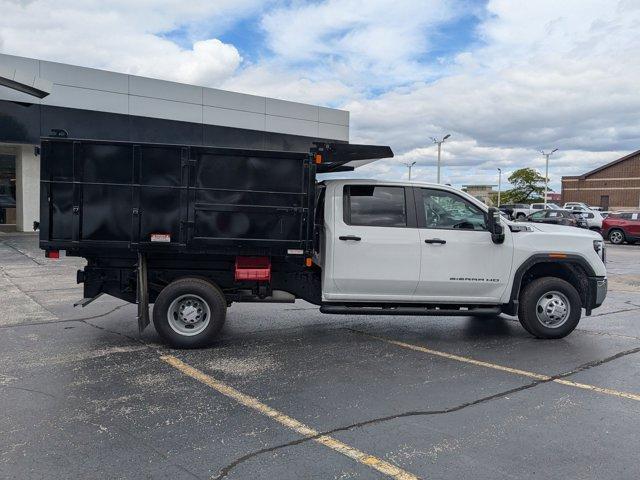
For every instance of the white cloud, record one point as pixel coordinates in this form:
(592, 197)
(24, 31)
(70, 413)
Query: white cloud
(124, 36)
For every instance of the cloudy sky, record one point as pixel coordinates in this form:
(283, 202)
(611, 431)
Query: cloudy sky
(504, 78)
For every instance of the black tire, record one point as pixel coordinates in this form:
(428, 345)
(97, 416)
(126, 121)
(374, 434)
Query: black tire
(548, 288)
(520, 215)
(197, 291)
(616, 236)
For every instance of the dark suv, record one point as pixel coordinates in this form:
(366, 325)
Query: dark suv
(557, 217)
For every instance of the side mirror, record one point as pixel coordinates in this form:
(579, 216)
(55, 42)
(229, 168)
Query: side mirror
(495, 225)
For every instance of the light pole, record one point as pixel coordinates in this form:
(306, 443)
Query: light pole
(499, 185)
(439, 143)
(546, 173)
(410, 165)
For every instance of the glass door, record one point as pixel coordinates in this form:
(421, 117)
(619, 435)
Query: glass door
(7, 190)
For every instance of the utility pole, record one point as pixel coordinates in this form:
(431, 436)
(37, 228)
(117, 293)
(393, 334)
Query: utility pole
(439, 143)
(410, 165)
(546, 173)
(499, 185)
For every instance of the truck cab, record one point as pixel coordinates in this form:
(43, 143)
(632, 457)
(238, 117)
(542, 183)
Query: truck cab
(418, 248)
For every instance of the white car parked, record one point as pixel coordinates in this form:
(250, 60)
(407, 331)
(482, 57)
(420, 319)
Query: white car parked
(526, 210)
(593, 217)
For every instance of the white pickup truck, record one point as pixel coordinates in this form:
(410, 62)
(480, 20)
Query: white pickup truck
(217, 226)
(416, 249)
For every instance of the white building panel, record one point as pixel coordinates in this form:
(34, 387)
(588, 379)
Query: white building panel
(236, 101)
(283, 108)
(291, 126)
(73, 76)
(331, 115)
(167, 109)
(179, 92)
(86, 99)
(335, 132)
(233, 118)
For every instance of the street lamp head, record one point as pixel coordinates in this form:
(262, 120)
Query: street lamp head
(446, 136)
(554, 150)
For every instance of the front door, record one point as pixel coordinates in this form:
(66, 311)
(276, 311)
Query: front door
(460, 263)
(376, 245)
(604, 202)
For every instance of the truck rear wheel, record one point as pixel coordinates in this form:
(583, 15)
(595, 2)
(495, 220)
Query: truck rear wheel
(189, 313)
(549, 308)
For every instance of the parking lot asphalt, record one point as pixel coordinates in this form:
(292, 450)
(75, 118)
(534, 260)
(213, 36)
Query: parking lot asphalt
(289, 393)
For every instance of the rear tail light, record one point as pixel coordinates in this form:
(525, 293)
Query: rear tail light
(257, 269)
(52, 254)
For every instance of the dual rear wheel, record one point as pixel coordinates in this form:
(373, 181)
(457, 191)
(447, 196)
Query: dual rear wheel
(189, 313)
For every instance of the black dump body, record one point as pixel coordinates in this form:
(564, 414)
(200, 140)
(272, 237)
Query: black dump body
(190, 210)
(107, 196)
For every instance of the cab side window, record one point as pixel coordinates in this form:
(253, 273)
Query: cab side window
(375, 206)
(538, 215)
(447, 210)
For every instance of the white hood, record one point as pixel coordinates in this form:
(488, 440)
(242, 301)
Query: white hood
(565, 230)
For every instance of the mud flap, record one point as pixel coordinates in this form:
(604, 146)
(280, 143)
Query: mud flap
(142, 293)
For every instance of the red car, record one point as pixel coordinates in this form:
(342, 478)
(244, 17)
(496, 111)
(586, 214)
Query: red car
(622, 227)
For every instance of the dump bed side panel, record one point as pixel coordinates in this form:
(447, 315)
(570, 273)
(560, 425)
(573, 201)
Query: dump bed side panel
(119, 195)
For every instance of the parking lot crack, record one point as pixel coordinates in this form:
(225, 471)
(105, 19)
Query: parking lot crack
(224, 472)
(65, 320)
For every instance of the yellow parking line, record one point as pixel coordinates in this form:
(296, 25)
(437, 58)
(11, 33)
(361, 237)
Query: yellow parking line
(502, 368)
(336, 445)
(593, 388)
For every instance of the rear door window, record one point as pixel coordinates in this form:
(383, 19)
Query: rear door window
(375, 206)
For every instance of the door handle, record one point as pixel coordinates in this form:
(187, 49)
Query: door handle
(350, 237)
(435, 240)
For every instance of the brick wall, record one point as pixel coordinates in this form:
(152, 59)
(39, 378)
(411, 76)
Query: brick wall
(620, 182)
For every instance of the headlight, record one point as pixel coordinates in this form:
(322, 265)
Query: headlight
(598, 246)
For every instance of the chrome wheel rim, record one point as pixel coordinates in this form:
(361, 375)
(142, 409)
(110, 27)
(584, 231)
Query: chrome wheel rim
(188, 315)
(553, 309)
(615, 237)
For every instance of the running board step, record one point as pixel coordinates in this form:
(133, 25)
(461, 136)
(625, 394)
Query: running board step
(425, 311)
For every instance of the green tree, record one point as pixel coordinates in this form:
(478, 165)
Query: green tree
(528, 186)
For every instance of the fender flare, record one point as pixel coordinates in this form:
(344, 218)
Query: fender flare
(549, 257)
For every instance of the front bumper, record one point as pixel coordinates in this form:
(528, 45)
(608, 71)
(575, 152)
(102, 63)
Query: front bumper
(597, 292)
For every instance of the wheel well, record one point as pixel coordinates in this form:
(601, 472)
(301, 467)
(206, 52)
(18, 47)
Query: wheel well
(570, 272)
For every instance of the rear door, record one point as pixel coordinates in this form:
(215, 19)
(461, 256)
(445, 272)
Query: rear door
(375, 244)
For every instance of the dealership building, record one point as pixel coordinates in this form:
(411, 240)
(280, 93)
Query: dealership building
(39, 97)
(614, 186)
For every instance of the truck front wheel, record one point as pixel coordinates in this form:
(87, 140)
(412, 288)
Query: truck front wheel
(549, 308)
(189, 313)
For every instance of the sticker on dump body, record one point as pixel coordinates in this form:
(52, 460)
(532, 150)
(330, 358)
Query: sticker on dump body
(161, 237)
